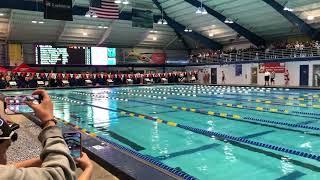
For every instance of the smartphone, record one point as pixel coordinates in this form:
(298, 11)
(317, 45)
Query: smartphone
(17, 104)
(74, 143)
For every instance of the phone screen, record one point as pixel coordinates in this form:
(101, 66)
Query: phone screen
(73, 140)
(17, 104)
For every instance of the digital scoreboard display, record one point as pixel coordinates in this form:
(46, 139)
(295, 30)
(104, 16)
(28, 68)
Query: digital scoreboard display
(73, 55)
(103, 56)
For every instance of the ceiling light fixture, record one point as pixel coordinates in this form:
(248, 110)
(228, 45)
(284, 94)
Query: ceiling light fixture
(41, 22)
(85, 34)
(91, 13)
(154, 38)
(100, 27)
(162, 20)
(228, 21)
(125, 2)
(210, 34)
(1, 14)
(187, 29)
(105, 27)
(310, 18)
(288, 9)
(34, 22)
(201, 10)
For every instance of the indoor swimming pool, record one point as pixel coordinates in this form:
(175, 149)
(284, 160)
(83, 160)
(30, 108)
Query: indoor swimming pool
(210, 132)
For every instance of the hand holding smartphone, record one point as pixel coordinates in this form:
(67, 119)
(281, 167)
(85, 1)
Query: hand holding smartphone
(17, 104)
(74, 143)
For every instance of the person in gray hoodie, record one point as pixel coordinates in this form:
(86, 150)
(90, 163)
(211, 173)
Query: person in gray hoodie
(55, 162)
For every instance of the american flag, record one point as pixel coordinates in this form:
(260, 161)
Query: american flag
(108, 10)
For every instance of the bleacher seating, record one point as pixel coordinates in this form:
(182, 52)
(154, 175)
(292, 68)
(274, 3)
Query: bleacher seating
(34, 80)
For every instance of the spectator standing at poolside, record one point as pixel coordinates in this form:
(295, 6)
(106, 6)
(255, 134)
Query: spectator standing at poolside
(223, 79)
(55, 161)
(286, 77)
(273, 76)
(267, 78)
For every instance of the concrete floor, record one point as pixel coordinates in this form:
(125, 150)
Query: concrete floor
(27, 146)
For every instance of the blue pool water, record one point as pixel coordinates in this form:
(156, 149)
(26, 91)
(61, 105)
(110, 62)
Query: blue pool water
(275, 116)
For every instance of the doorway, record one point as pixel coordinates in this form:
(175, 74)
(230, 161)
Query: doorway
(316, 75)
(304, 75)
(213, 75)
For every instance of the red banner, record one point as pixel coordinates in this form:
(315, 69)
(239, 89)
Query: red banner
(158, 58)
(23, 68)
(274, 66)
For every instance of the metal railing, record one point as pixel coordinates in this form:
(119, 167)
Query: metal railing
(258, 55)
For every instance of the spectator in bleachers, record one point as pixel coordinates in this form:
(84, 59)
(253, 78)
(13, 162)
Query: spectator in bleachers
(3, 83)
(52, 79)
(72, 80)
(32, 82)
(59, 80)
(295, 49)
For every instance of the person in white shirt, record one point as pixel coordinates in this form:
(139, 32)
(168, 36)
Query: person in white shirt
(267, 78)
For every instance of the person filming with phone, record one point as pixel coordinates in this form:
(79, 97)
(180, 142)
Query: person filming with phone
(55, 160)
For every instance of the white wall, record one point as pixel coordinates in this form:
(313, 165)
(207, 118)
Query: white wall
(231, 78)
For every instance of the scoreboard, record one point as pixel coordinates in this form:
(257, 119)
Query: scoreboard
(74, 55)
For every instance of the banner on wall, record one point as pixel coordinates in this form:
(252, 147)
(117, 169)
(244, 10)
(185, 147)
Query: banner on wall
(273, 66)
(142, 18)
(58, 9)
(134, 56)
(238, 69)
(15, 54)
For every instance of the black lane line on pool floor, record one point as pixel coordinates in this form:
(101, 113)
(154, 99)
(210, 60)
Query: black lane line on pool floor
(186, 152)
(203, 148)
(258, 134)
(122, 139)
(112, 134)
(118, 137)
(291, 176)
(242, 120)
(234, 143)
